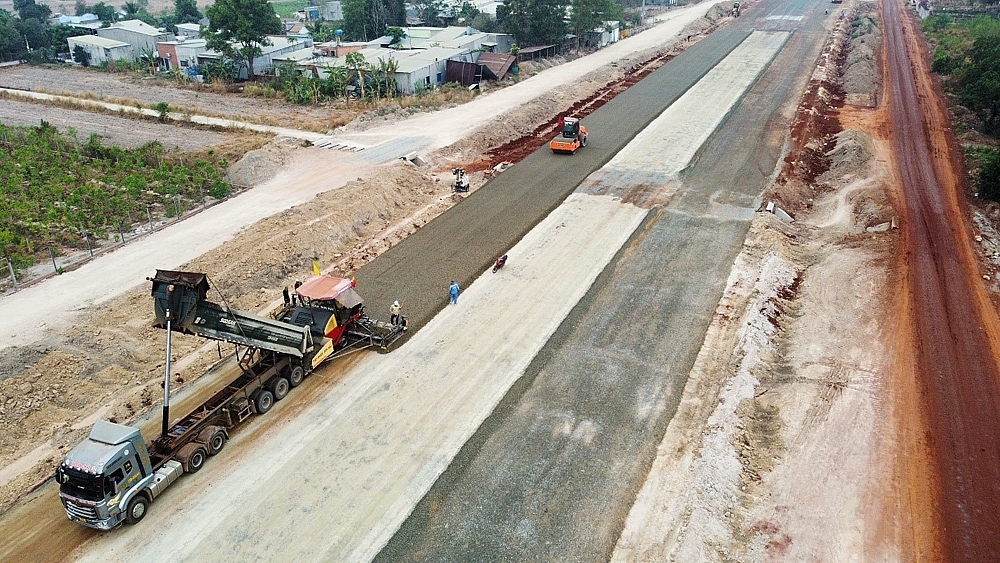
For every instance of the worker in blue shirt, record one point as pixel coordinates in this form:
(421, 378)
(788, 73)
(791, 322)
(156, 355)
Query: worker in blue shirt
(453, 291)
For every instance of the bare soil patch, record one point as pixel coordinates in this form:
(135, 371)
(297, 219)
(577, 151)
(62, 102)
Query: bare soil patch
(112, 130)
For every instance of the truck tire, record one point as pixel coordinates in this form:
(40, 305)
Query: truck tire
(263, 400)
(215, 442)
(192, 456)
(279, 387)
(136, 509)
(583, 141)
(296, 375)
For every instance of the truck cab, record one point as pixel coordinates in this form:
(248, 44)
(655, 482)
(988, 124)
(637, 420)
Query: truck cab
(103, 475)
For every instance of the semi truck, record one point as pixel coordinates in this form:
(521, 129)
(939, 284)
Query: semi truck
(114, 475)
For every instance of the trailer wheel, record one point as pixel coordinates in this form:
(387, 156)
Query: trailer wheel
(196, 460)
(296, 375)
(263, 400)
(136, 509)
(278, 386)
(216, 442)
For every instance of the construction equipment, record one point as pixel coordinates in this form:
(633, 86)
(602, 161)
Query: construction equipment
(114, 475)
(572, 137)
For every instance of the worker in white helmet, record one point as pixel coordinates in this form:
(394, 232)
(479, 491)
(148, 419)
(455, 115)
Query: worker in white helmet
(394, 312)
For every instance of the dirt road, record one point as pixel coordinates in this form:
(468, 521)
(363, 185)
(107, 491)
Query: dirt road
(952, 465)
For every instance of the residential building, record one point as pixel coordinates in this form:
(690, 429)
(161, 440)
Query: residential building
(137, 33)
(99, 49)
(180, 54)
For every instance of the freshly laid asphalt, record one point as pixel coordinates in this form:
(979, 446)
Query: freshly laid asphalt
(464, 241)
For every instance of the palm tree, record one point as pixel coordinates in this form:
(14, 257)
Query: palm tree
(131, 9)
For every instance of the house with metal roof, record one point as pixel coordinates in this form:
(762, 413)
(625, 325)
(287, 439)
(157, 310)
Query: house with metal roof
(137, 33)
(180, 54)
(270, 54)
(99, 49)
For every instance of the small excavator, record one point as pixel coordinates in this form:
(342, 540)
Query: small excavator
(573, 136)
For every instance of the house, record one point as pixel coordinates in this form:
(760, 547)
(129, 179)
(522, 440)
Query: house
(99, 49)
(87, 21)
(137, 33)
(602, 36)
(180, 54)
(270, 54)
(188, 30)
(331, 11)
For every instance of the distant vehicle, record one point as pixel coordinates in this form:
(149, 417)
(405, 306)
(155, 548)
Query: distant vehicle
(572, 137)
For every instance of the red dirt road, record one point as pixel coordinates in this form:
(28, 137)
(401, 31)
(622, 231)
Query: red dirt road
(952, 470)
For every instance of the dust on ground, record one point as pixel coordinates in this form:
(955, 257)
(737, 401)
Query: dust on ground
(110, 365)
(777, 450)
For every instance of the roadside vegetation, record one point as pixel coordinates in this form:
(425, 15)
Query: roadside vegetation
(967, 56)
(58, 192)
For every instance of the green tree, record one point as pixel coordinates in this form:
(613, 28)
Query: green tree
(186, 11)
(11, 40)
(988, 182)
(131, 9)
(368, 19)
(535, 22)
(80, 55)
(103, 12)
(589, 15)
(396, 33)
(355, 27)
(356, 62)
(239, 28)
(28, 10)
(980, 81)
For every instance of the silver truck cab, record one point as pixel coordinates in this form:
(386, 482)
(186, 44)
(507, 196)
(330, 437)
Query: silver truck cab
(103, 477)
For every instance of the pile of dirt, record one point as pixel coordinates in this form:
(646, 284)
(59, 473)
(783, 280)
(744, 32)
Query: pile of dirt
(260, 165)
(861, 78)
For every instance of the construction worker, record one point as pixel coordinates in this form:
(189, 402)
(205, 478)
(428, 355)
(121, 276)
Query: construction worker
(394, 312)
(453, 290)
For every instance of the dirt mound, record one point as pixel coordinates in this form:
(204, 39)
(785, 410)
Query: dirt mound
(258, 166)
(861, 77)
(849, 160)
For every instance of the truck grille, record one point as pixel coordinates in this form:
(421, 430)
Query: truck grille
(79, 511)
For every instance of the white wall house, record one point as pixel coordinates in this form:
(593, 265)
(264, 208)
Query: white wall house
(137, 33)
(279, 48)
(99, 49)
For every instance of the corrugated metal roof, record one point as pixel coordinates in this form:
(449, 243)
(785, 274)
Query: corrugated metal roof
(138, 26)
(99, 41)
(497, 63)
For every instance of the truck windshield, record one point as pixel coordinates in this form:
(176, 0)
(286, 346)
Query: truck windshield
(79, 485)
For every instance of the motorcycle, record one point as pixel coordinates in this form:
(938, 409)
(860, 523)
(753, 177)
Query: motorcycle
(499, 263)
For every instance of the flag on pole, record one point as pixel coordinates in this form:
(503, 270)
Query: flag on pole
(315, 268)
